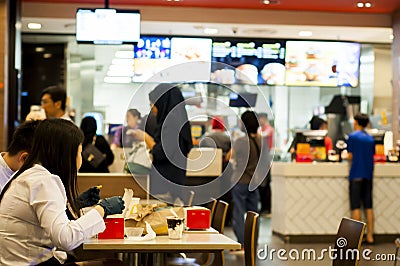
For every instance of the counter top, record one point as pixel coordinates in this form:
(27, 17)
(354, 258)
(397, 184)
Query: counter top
(328, 169)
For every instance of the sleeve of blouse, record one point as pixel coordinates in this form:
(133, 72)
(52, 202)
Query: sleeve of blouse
(48, 199)
(158, 152)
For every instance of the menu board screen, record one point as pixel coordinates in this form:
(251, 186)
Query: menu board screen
(313, 63)
(251, 61)
(163, 58)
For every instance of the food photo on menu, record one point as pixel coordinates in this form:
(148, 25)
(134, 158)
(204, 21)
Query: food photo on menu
(163, 54)
(317, 63)
(244, 61)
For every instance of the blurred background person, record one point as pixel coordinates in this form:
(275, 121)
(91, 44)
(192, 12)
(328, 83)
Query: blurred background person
(267, 133)
(172, 141)
(218, 138)
(124, 136)
(53, 100)
(89, 128)
(361, 150)
(246, 152)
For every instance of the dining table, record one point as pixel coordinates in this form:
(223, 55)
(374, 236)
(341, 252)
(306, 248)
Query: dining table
(201, 242)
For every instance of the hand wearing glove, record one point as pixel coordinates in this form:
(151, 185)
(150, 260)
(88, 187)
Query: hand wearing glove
(113, 205)
(89, 198)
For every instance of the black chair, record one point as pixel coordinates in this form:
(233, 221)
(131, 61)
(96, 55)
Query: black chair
(348, 239)
(251, 229)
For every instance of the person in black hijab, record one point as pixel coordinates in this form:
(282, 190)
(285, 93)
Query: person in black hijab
(89, 127)
(172, 140)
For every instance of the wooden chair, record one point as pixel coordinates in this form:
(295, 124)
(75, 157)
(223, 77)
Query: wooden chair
(251, 229)
(348, 237)
(211, 206)
(397, 253)
(218, 220)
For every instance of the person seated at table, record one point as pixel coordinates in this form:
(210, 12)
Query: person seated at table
(124, 136)
(17, 151)
(34, 227)
(89, 128)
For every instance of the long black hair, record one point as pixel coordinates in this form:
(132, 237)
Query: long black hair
(55, 147)
(89, 128)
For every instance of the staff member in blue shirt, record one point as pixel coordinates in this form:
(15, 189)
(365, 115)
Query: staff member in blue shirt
(361, 148)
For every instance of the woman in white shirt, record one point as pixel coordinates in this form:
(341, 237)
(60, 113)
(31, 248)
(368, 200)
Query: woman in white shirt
(34, 227)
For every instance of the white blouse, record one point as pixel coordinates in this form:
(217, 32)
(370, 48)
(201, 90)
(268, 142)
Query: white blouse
(33, 220)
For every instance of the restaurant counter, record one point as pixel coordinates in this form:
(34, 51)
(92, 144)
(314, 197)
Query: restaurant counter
(309, 200)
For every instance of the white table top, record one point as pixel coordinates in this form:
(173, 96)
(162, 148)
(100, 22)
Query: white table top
(189, 242)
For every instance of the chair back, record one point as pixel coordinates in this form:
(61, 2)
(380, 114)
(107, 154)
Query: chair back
(211, 206)
(348, 242)
(218, 221)
(251, 228)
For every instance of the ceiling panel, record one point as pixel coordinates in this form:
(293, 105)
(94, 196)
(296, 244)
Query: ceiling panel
(377, 6)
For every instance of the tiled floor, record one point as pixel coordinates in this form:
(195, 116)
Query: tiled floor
(267, 240)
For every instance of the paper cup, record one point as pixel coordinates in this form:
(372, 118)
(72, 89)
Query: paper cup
(175, 227)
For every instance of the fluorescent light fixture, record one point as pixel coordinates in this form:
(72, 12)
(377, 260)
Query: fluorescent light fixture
(120, 68)
(124, 54)
(126, 73)
(360, 4)
(122, 61)
(368, 5)
(122, 80)
(34, 26)
(39, 49)
(47, 55)
(305, 33)
(210, 31)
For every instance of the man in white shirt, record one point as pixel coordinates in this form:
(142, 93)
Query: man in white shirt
(53, 100)
(14, 157)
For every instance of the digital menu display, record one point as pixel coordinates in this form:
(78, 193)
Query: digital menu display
(164, 58)
(313, 63)
(251, 61)
(98, 26)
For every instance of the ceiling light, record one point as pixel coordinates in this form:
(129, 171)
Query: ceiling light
(305, 33)
(360, 4)
(122, 61)
(391, 36)
(126, 73)
(124, 54)
(47, 55)
(266, 2)
(122, 80)
(210, 31)
(39, 49)
(34, 26)
(368, 5)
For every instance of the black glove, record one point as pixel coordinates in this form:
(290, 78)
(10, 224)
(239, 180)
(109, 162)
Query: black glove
(89, 198)
(113, 205)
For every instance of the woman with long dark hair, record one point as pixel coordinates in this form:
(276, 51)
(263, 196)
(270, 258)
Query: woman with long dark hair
(33, 218)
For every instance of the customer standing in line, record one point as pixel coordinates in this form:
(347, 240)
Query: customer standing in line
(172, 141)
(361, 150)
(245, 156)
(89, 128)
(54, 102)
(34, 227)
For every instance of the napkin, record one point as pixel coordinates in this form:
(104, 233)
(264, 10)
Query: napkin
(127, 198)
(149, 236)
